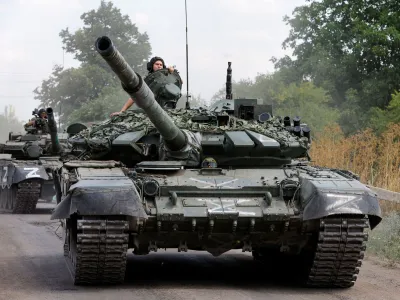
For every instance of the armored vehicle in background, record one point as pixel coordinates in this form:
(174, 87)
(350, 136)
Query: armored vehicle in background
(26, 164)
(230, 177)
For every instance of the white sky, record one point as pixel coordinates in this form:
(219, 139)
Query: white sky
(246, 32)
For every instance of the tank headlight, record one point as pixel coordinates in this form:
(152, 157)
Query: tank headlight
(33, 151)
(150, 188)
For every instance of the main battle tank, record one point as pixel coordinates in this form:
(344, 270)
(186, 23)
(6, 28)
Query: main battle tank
(26, 164)
(231, 177)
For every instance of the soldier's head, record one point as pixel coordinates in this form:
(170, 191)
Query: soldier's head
(42, 113)
(156, 63)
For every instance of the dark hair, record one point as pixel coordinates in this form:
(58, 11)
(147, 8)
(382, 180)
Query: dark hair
(152, 61)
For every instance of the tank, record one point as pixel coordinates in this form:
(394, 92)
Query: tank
(26, 164)
(233, 176)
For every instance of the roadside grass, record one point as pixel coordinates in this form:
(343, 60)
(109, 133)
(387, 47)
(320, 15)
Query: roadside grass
(384, 240)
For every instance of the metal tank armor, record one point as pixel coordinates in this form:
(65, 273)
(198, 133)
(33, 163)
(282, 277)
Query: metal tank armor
(230, 177)
(26, 164)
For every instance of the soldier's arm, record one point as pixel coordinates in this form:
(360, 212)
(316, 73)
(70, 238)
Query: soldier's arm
(30, 123)
(171, 69)
(127, 104)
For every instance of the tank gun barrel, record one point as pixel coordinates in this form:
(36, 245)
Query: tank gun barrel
(134, 85)
(55, 144)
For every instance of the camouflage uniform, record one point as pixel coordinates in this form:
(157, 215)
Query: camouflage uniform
(40, 123)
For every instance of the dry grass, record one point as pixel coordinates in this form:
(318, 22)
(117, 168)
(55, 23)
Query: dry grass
(376, 159)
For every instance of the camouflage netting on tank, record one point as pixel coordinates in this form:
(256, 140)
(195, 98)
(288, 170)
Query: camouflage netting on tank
(99, 136)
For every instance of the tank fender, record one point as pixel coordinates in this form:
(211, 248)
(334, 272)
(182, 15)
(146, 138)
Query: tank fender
(322, 198)
(12, 174)
(101, 197)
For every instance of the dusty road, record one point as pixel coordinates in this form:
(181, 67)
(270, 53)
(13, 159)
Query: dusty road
(32, 267)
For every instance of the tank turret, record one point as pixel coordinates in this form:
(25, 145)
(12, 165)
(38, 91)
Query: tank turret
(132, 83)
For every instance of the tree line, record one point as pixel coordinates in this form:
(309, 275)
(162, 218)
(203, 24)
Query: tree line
(344, 67)
(9, 122)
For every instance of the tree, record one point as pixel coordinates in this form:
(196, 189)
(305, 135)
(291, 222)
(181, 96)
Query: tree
(302, 99)
(69, 90)
(109, 21)
(110, 100)
(9, 122)
(380, 119)
(89, 88)
(242, 88)
(307, 101)
(351, 49)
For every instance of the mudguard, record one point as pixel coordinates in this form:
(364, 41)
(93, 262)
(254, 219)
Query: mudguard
(12, 173)
(321, 198)
(101, 197)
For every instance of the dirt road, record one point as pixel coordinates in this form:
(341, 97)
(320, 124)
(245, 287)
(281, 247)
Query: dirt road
(32, 267)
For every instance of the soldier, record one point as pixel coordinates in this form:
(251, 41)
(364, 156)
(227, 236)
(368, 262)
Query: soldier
(39, 122)
(156, 63)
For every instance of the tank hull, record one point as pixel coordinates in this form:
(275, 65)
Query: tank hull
(215, 210)
(24, 183)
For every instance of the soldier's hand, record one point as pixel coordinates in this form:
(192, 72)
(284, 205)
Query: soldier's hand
(171, 69)
(115, 113)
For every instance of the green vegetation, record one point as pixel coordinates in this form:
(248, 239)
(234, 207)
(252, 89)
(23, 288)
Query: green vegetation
(351, 49)
(9, 122)
(384, 241)
(345, 67)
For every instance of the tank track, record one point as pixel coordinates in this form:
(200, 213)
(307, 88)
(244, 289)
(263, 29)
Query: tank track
(24, 200)
(339, 253)
(96, 250)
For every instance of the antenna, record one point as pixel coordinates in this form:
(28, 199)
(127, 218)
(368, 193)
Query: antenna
(187, 62)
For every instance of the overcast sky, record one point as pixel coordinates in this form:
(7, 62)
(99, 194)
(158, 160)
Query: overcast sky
(246, 32)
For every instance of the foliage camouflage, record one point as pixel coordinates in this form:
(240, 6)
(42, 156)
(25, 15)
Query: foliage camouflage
(129, 121)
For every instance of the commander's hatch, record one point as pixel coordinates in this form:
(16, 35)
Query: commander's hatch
(146, 166)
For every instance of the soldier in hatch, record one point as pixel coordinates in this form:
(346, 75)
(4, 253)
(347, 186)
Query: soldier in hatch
(40, 122)
(156, 63)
